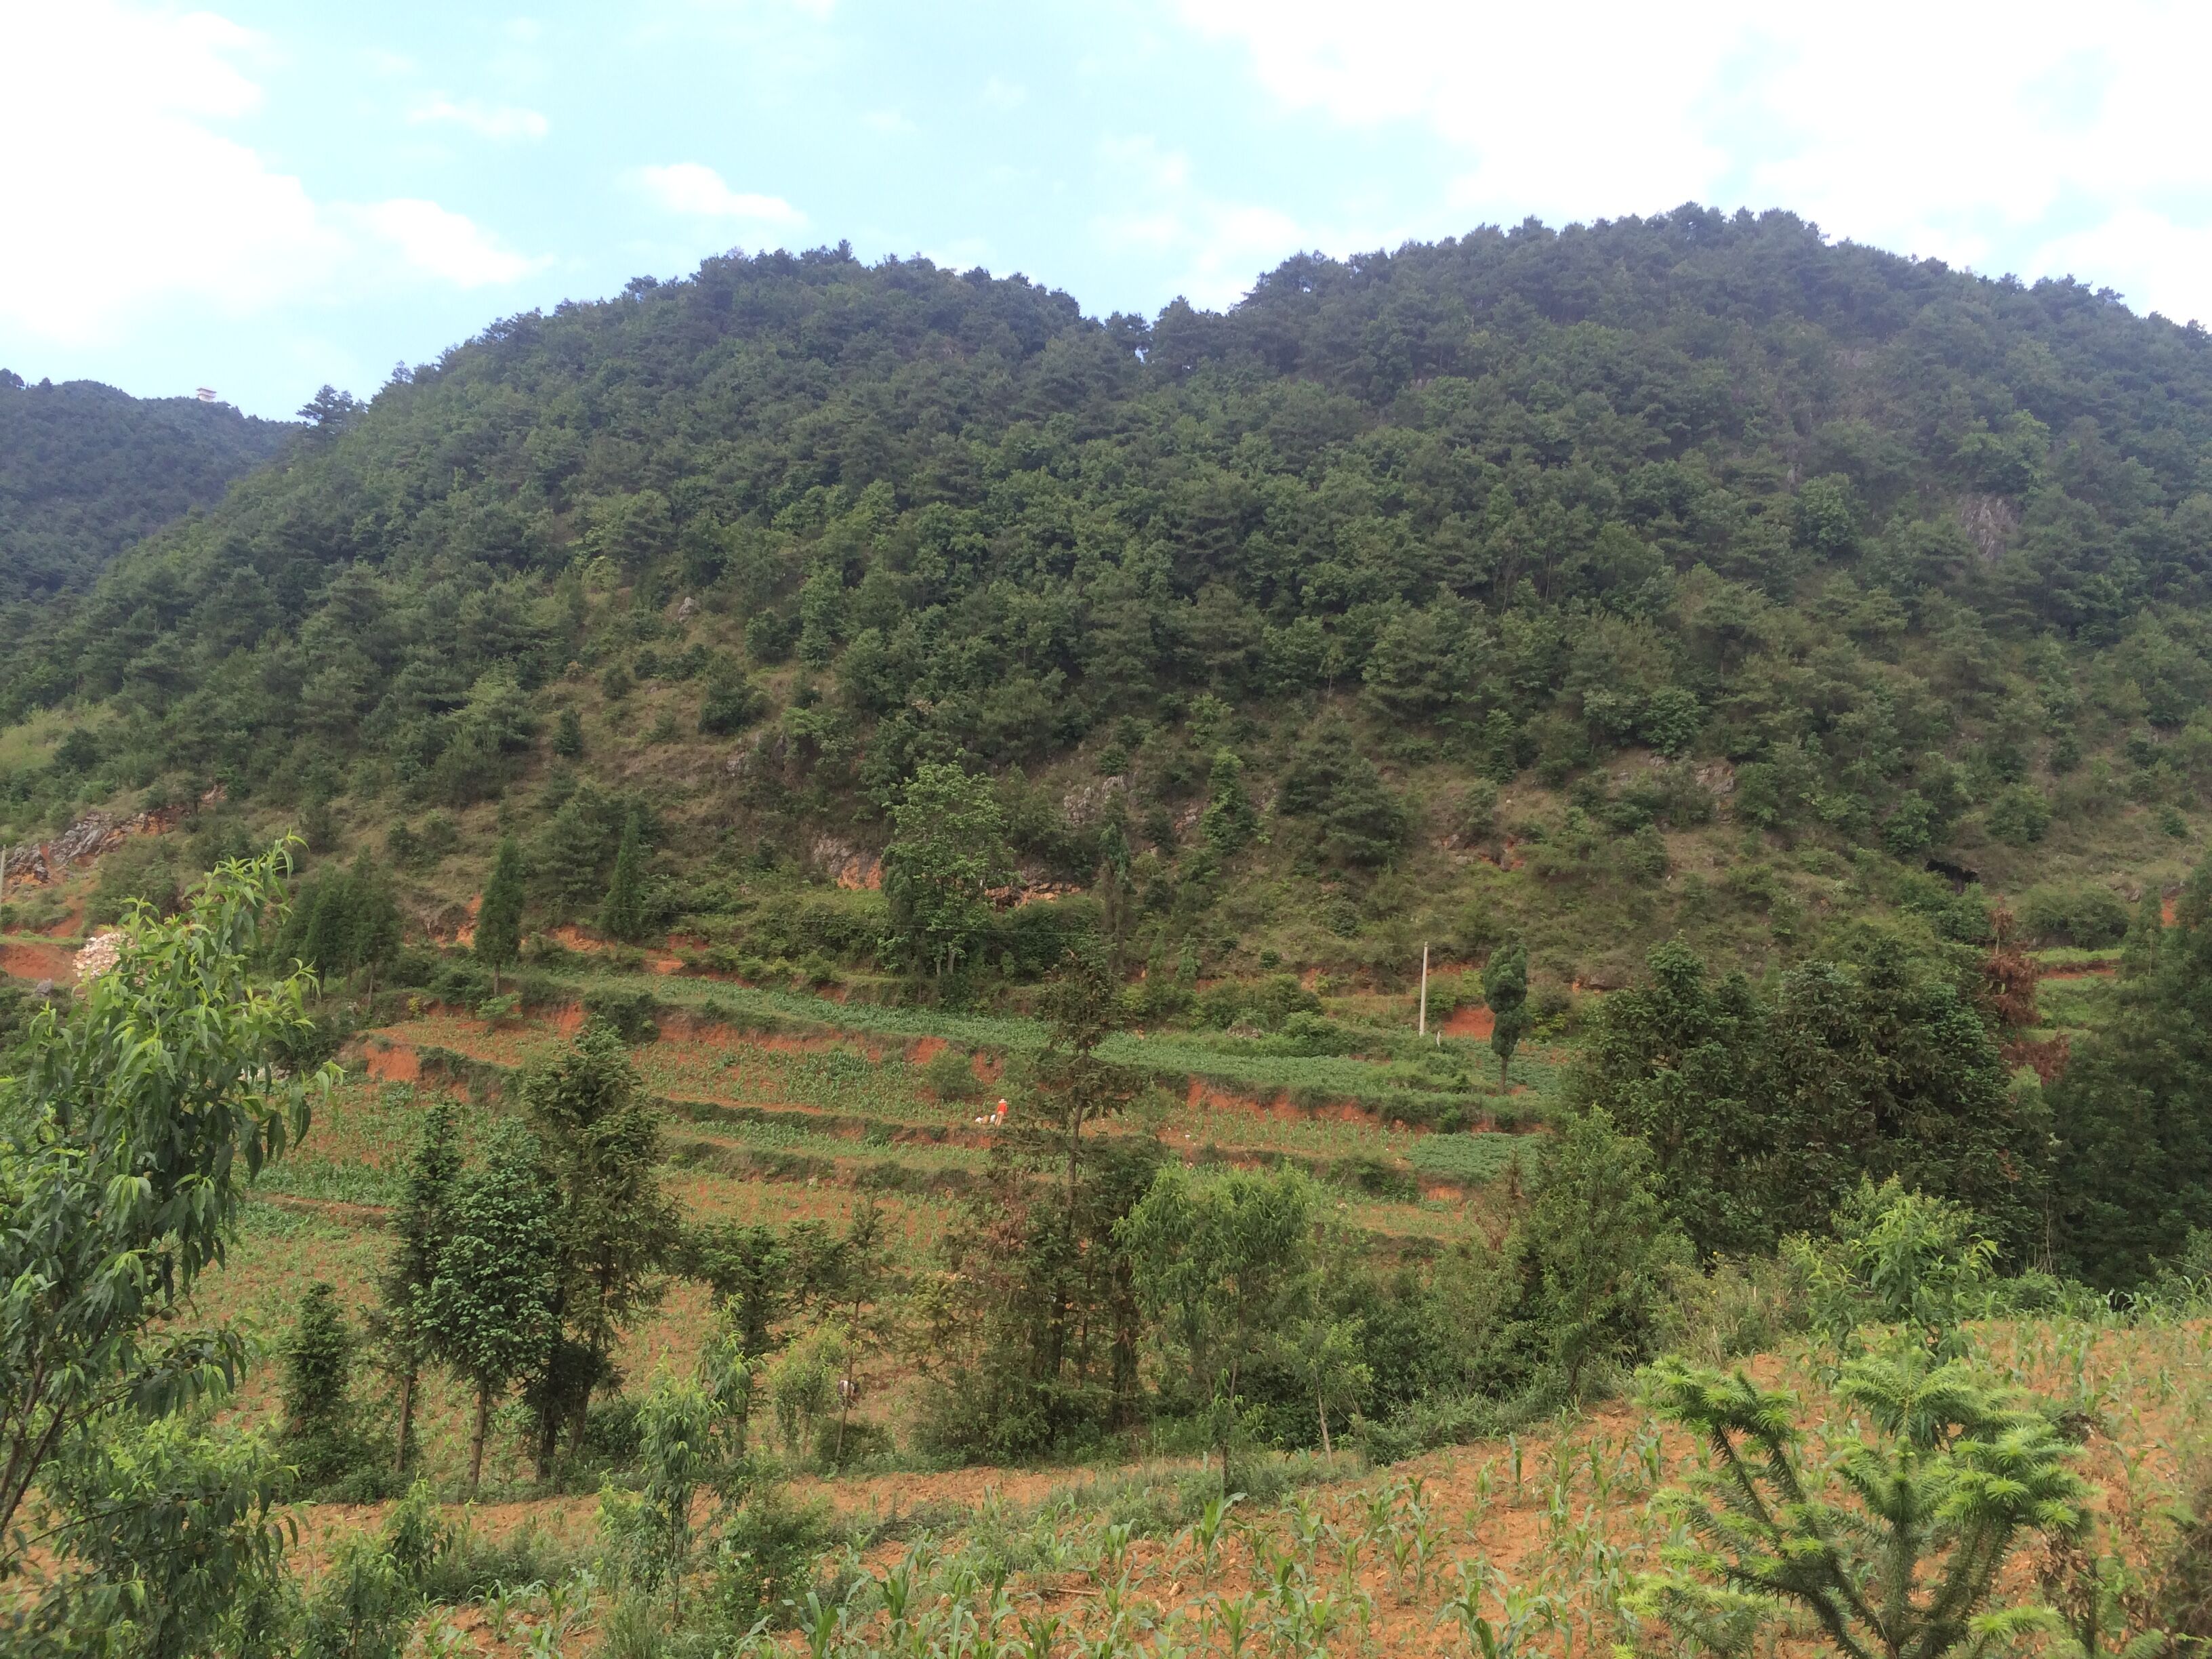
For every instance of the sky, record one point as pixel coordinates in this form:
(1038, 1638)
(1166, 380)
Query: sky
(264, 197)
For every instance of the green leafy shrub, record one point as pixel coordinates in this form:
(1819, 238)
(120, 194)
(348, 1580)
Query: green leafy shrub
(630, 1012)
(731, 705)
(2019, 816)
(764, 1559)
(2085, 915)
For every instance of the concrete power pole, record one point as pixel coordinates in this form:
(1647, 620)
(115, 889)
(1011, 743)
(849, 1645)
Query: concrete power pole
(1421, 1028)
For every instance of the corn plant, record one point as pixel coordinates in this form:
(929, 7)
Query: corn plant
(1040, 1635)
(1206, 1533)
(504, 1606)
(442, 1641)
(1234, 1618)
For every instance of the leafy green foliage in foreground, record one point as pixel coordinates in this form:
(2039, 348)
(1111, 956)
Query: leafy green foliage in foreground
(1956, 1474)
(141, 1114)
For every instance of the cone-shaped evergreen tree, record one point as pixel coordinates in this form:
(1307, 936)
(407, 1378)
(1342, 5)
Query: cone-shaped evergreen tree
(376, 920)
(1506, 988)
(621, 915)
(498, 919)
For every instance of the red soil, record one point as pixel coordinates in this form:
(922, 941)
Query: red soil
(1204, 1094)
(393, 1062)
(575, 939)
(36, 961)
(1474, 1020)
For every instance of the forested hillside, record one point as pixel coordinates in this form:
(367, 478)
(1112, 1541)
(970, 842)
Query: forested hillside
(1545, 547)
(85, 470)
(897, 877)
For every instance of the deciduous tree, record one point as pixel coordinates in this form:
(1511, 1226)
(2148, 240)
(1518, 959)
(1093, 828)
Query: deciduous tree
(487, 1312)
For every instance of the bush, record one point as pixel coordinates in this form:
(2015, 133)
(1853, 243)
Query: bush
(731, 705)
(361, 1607)
(2087, 916)
(322, 1434)
(141, 868)
(463, 984)
(630, 1013)
(1033, 939)
(948, 1075)
(2018, 816)
(612, 1431)
(765, 1560)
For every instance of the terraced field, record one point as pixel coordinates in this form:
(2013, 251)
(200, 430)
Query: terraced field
(781, 1107)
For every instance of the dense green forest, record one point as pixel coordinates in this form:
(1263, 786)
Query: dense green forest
(85, 470)
(1841, 547)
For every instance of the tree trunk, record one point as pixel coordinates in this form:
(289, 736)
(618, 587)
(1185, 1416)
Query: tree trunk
(577, 1425)
(1228, 1430)
(548, 1441)
(406, 1419)
(476, 1437)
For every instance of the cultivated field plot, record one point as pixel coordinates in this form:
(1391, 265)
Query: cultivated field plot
(773, 1127)
(1537, 1535)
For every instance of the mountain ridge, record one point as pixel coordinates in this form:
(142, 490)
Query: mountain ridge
(1430, 544)
(87, 469)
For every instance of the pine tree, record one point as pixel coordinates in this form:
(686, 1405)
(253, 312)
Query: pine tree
(2134, 1169)
(1506, 988)
(1081, 1007)
(422, 1224)
(498, 919)
(1229, 823)
(569, 858)
(488, 1310)
(621, 913)
(376, 920)
(569, 735)
(319, 1357)
(324, 925)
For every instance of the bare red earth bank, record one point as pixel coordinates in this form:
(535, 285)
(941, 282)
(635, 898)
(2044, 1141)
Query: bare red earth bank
(39, 961)
(1475, 1020)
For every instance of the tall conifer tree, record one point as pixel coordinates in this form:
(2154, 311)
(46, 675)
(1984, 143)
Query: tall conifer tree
(621, 915)
(498, 919)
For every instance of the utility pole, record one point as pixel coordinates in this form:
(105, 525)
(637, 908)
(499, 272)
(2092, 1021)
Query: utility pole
(1421, 1029)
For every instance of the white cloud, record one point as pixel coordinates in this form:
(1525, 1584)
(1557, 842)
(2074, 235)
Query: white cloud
(691, 188)
(1217, 244)
(446, 245)
(117, 188)
(123, 194)
(498, 121)
(2005, 136)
